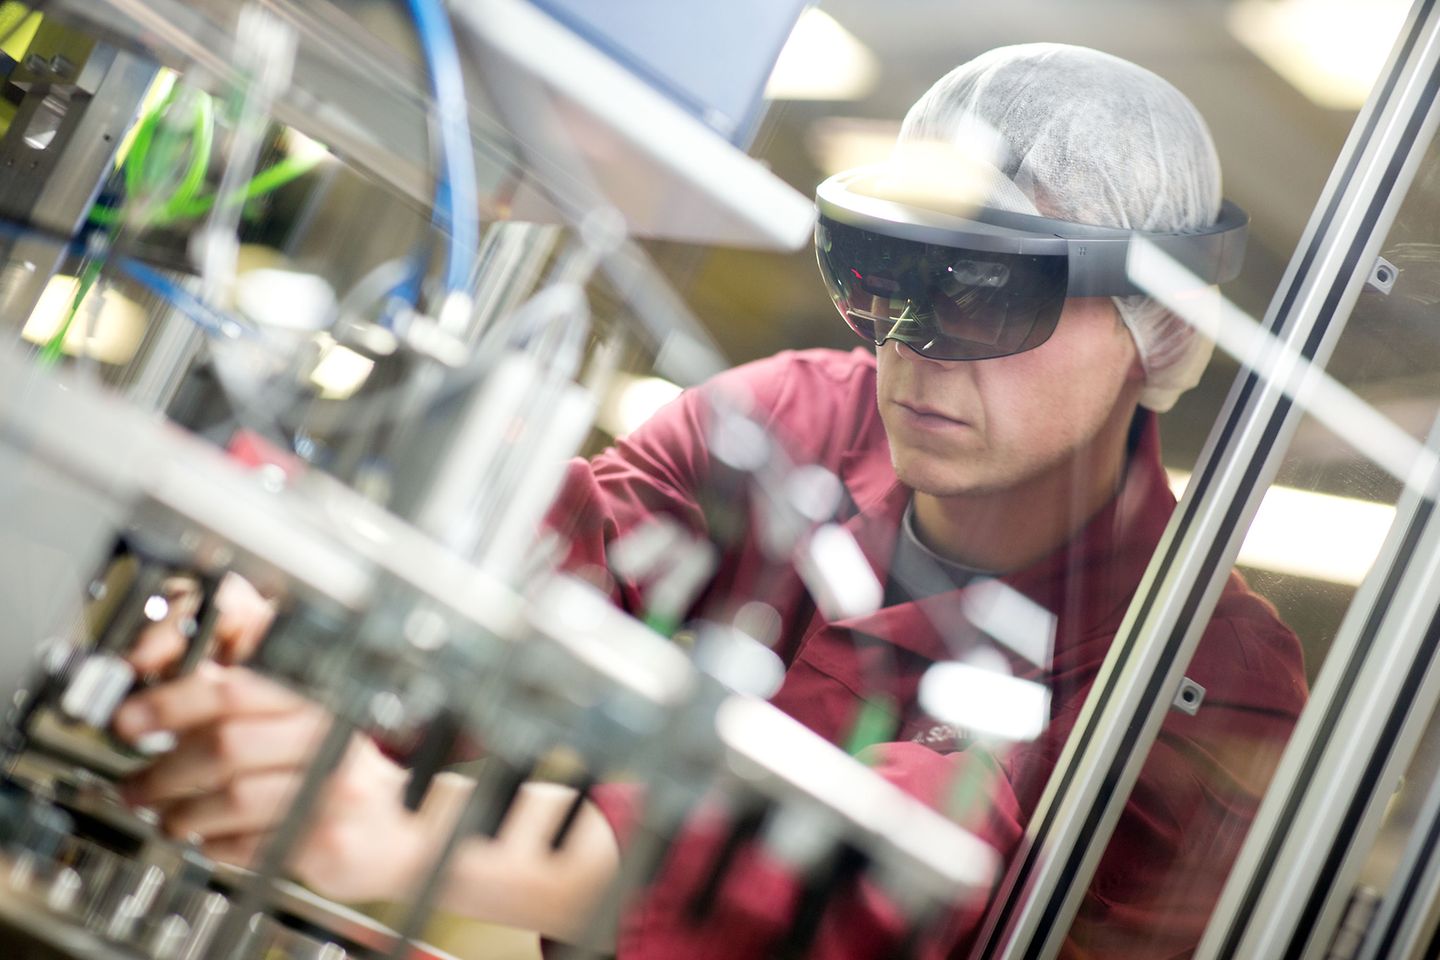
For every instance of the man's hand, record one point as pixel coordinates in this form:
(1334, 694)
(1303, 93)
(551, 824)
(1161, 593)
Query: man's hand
(244, 617)
(243, 743)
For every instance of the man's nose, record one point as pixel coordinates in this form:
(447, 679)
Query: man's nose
(911, 356)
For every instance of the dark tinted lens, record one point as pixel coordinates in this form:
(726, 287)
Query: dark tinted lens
(945, 302)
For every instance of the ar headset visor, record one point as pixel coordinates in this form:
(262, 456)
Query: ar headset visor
(987, 284)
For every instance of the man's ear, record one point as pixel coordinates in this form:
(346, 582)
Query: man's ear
(1136, 373)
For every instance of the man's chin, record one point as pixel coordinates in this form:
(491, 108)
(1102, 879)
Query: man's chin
(939, 480)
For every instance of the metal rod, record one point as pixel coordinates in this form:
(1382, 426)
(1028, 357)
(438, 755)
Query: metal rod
(572, 812)
(485, 809)
(253, 894)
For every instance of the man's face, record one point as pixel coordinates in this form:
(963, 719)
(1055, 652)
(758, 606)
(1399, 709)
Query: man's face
(982, 426)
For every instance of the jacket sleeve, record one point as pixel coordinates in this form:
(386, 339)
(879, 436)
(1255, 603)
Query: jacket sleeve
(663, 469)
(657, 472)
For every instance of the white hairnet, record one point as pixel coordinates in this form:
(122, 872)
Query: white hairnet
(1089, 138)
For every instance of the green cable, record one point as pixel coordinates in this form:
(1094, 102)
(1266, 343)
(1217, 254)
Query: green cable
(51, 352)
(139, 172)
(139, 166)
(664, 625)
(874, 724)
(136, 167)
(153, 158)
(968, 787)
(266, 181)
(200, 150)
(269, 180)
(139, 151)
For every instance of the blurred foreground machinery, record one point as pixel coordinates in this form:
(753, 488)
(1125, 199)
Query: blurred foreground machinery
(184, 394)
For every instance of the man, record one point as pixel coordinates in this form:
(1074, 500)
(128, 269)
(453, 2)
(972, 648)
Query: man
(1000, 433)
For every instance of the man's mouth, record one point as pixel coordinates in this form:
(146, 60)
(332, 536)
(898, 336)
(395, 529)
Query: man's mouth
(925, 417)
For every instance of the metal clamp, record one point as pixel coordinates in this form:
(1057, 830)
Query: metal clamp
(1383, 276)
(1189, 697)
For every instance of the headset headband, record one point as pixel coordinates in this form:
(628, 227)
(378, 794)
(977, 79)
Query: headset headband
(1097, 255)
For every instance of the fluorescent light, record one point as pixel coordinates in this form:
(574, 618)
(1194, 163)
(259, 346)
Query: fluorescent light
(1308, 534)
(1330, 50)
(340, 372)
(985, 701)
(119, 324)
(632, 401)
(822, 61)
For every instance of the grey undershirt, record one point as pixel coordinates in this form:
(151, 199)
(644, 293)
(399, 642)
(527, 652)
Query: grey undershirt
(916, 571)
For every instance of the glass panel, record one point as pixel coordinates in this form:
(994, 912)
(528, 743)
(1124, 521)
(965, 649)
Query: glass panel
(1400, 328)
(1314, 539)
(1394, 913)
(964, 686)
(941, 575)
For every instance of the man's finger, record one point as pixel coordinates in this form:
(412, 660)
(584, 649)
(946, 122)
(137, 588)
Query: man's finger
(202, 698)
(162, 643)
(242, 851)
(212, 760)
(242, 618)
(157, 646)
(245, 617)
(249, 804)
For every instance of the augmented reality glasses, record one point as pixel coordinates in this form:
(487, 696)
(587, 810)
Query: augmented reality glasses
(990, 284)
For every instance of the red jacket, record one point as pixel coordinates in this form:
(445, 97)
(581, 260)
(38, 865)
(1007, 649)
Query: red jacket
(1198, 791)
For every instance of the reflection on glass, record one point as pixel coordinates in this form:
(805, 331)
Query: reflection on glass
(1005, 505)
(1317, 536)
(962, 680)
(1313, 541)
